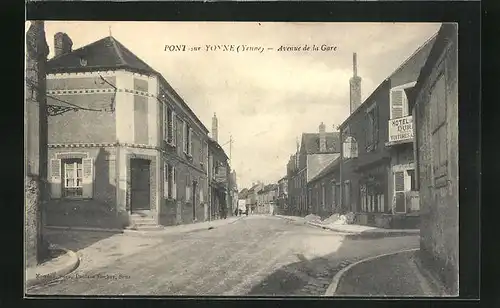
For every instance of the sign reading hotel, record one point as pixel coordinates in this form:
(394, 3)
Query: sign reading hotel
(401, 130)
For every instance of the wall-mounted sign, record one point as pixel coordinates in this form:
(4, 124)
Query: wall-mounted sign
(221, 175)
(401, 129)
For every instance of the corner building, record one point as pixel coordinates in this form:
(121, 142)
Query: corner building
(123, 145)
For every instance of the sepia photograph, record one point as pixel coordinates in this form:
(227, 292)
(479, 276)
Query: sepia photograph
(249, 159)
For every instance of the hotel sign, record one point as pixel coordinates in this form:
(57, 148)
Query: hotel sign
(401, 130)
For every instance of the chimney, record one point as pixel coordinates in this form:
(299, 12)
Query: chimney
(62, 44)
(322, 138)
(355, 85)
(214, 128)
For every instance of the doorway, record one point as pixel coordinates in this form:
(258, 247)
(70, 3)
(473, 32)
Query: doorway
(140, 177)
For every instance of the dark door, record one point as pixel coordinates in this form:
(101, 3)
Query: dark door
(193, 197)
(140, 185)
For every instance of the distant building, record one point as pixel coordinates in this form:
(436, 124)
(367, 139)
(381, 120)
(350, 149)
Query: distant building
(434, 105)
(267, 198)
(219, 177)
(282, 203)
(325, 190)
(316, 150)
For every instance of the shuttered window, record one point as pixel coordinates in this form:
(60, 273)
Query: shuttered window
(55, 178)
(399, 188)
(190, 141)
(397, 100)
(399, 181)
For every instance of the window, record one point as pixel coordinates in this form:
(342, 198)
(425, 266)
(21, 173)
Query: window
(188, 190)
(169, 124)
(187, 138)
(399, 192)
(399, 100)
(371, 128)
(73, 178)
(185, 133)
(439, 132)
(169, 183)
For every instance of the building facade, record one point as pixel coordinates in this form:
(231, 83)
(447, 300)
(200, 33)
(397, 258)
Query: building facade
(434, 106)
(282, 202)
(325, 191)
(35, 141)
(219, 175)
(316, 151)
(377, 168)
(134, 147)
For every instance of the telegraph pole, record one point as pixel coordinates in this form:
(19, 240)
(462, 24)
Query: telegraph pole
(230, 147)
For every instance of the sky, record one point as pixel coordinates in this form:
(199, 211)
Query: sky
(264, 100)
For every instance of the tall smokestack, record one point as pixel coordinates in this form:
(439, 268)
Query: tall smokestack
(322, 138)
(355, 85)
(215, 129)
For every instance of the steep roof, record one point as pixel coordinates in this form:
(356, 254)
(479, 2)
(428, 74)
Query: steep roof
(310, 142)
(102, 54)
(217, 146)
(317, 162)
(331, 167)
(422, 50)
(447, 33)
(109, 54)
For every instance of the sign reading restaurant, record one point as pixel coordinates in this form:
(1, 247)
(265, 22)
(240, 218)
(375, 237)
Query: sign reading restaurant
(401, 129)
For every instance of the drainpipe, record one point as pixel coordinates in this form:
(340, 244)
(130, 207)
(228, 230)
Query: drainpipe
(340, 170)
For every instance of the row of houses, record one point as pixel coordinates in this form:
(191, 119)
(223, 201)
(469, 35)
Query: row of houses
(366, 164)
(260, 198)
(123, 145)
(394, 161)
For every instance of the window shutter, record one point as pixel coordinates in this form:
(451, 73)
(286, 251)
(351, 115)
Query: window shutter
(375, 126)
(55, 178)
(184, 137)
(88, 177)
(165, 122)
(190, 145)
(174, 128)
(174, 183)
(165, 181)
(397, 97)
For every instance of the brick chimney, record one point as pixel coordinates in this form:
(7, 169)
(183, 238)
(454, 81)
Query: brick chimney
(215, 130)
(62, 43)
(355, 85)
(322, 138)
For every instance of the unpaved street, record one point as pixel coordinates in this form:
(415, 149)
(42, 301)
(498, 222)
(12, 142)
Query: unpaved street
(253, 256)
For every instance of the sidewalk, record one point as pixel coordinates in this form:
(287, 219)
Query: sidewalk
(354, 230)
(163, 231)
(390, 275)
(64, 262)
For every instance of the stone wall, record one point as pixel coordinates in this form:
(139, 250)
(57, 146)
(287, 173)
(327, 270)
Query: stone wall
(439, 203)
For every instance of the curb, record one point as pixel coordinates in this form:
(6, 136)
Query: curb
(367, 234)
(86, 229)
(332, 288)
(68, 267)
